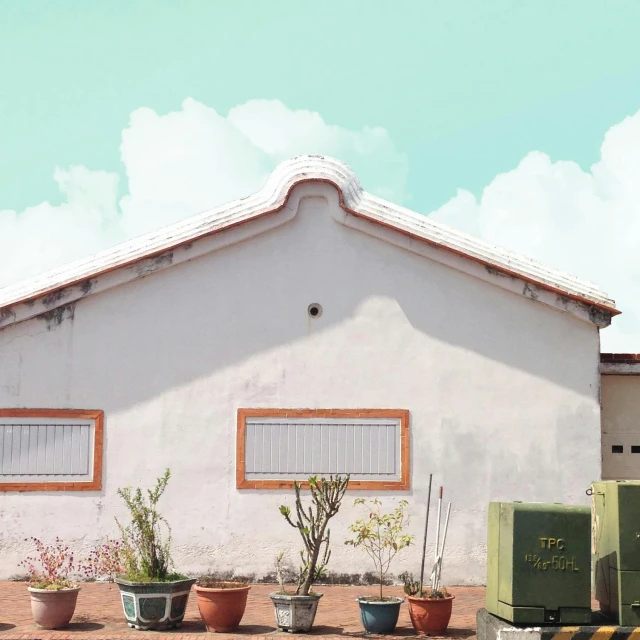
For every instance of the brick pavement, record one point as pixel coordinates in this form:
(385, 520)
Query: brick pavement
(99, 616)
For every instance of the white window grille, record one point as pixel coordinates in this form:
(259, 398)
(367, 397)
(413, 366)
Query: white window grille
(57, 449)
(295, 446)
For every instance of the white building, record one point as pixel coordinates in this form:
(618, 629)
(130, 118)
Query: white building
(421, 350)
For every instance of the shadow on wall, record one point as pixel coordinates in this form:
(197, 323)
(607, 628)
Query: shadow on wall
(217, 311)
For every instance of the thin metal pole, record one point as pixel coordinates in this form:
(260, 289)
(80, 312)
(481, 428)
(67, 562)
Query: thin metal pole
(435, 565)
(444, 539)
(424, 544)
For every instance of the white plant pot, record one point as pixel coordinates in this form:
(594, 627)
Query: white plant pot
(295, 613)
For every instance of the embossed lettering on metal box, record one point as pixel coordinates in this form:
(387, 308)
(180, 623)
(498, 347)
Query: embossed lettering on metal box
(538, 563)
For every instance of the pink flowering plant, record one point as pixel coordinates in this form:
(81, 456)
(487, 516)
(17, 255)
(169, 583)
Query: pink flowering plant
(105, 561)
(50, 567)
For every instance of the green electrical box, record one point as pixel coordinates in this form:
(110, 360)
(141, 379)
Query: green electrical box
(539, 563)
(616, 550)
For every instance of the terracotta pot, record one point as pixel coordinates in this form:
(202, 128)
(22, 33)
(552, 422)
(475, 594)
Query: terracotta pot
(430, 616)
(53, 609)
(222, 608)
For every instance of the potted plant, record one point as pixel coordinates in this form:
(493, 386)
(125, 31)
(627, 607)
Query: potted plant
(53, 595)
(152, 596)
(381, 536)
(430, 608)
(296, 612)
(221, 604)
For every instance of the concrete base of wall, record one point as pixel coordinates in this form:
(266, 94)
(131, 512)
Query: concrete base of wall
(492, 628)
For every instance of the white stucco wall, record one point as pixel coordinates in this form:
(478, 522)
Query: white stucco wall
(620, 426)
(620, 403)
(503, 390)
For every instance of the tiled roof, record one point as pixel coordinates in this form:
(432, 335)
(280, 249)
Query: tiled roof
(621, 358)
(620, 364)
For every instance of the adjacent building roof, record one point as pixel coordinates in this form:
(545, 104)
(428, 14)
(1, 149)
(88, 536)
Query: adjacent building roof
(620, 363)
(60, 286)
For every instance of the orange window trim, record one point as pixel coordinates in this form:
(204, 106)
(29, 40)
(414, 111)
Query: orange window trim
(95, 484)
(364, 485)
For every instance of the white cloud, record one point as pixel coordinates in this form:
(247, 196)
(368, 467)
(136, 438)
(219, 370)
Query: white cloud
(45, 236)
(284, 134)
(584, 222)
(179, 164)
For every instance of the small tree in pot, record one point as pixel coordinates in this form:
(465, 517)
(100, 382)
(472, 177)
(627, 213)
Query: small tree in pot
(53, 595)
(152, 596)
(381, 536)
(296, 612)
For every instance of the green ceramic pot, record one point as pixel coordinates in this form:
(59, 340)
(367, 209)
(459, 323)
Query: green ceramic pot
(156, 606)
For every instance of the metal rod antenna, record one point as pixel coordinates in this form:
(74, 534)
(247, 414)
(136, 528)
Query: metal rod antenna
(424, 544)
(441, 554)
(435, 562)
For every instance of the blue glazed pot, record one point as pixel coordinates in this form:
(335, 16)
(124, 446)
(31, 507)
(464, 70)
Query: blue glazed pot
(379, 617)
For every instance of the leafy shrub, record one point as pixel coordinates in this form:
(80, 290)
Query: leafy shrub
(106, 560)
(145, 549)
(412, 588)
(50, 568)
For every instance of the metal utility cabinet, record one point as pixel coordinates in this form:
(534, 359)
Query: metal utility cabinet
(538, 563)
(616, 550)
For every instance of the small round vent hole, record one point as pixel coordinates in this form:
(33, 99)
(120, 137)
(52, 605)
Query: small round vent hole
(315, 310)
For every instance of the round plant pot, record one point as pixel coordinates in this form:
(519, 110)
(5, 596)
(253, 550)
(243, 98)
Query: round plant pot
(53, 609)
(222, 608)
(154, 606)
(379, 616)
(295, 613)
(430, 616)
